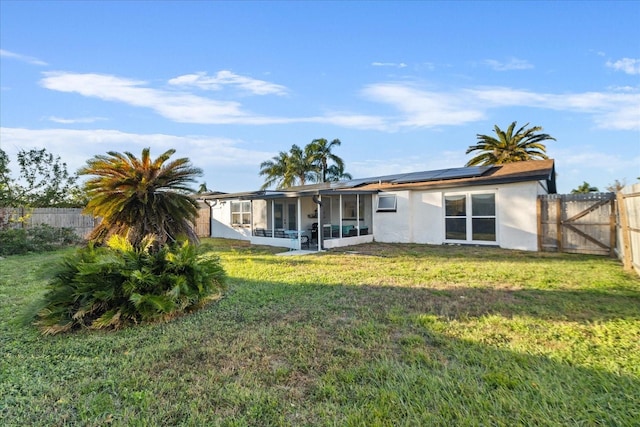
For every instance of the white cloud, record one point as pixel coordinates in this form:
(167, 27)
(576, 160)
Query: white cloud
(74, 121)
(227, 78)
(511, 64)
(24, 58)
(180, 107)
(389, 64)
(415, 107)
(77, 146)
(422, 108)
(626, 65)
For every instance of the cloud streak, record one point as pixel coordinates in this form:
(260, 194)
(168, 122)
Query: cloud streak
(414, 106)
(510, 65)
(227, 78)
(24, 58)
(422, 108)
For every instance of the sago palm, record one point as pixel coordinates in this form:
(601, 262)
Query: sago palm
(140, 197)
(508, 147)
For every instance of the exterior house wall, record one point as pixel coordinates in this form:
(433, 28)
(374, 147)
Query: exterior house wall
(220, 223)
(419, 217)
(517, 216)
(394, 227)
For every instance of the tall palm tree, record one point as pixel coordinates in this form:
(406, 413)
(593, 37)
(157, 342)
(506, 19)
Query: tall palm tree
(509, 147)
(335, 173)
(138, 197)
(276, 171)
(319, 154)
(286, 169)
(299, 165)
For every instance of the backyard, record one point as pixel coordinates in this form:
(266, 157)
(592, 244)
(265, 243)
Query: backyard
(369, 335)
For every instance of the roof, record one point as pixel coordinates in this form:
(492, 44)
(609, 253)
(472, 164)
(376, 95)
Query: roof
(532, 170)
(525, 171)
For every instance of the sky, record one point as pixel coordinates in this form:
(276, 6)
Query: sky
(405, 86)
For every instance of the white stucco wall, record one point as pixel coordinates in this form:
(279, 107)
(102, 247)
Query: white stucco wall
(220, 220)
(517, 216)
(419, 217)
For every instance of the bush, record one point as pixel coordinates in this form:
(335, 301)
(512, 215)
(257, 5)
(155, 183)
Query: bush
(118, 285)
(40, 238)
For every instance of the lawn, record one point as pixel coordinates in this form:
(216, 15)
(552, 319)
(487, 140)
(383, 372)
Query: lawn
(372, 335)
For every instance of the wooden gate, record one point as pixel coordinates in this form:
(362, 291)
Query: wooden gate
(577, 223)
(203, 221)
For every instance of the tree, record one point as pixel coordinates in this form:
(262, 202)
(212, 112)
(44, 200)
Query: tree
(585, 187)
(43, 181)
(336, 173)
(508, 147)
(298, 166)
(617, 186)
(6, 183)
(140, 197)
(277, 172)
(203, 188)
(319, 153)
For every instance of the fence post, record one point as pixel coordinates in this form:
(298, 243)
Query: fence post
(624, 229)
(612, 229)
(559, 223)
(539, 214)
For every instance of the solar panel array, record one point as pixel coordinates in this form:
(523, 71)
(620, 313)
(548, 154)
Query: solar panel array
(435, 175)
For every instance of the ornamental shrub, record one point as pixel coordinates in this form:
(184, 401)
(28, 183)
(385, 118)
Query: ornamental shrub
(116, 285)
(40, 238)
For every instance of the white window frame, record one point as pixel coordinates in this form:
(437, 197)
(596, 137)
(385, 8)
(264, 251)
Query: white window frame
(469, 217)
(387, 209)
(241, 212)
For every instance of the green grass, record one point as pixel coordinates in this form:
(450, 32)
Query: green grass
(373, 335)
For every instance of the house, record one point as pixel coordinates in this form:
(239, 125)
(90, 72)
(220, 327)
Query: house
(480, 205)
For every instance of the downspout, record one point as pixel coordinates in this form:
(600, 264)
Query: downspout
(299, 209)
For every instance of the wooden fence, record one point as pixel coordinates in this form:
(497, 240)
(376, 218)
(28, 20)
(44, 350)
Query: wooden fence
(577, 223)
(73, 218)
(55, 217)
(628, 227)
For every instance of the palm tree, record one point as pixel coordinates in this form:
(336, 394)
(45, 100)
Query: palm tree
(276, 171)
(140, 197)
(299, 165)
(335, 173)
(286, 169)
(508, 147)
(319, 154)
(585, 187)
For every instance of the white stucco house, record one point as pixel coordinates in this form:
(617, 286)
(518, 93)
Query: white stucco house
(480, 205)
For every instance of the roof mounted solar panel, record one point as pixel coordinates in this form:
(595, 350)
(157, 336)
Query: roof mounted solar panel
(436, 175)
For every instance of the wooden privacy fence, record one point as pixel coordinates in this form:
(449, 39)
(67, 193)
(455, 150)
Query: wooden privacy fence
(628, 230)
(577, 223)
(73, 218)
(55, 217)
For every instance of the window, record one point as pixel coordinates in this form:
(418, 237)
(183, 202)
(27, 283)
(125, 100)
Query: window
(353, 207)
(387, 203)
(470, 217)
(241, 213)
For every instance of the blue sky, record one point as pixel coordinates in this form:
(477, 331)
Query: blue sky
(406, 86)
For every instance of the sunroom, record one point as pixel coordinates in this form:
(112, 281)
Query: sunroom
(302, 219)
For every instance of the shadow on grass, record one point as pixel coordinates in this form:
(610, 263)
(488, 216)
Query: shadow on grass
(275, 353)
(348, 355)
